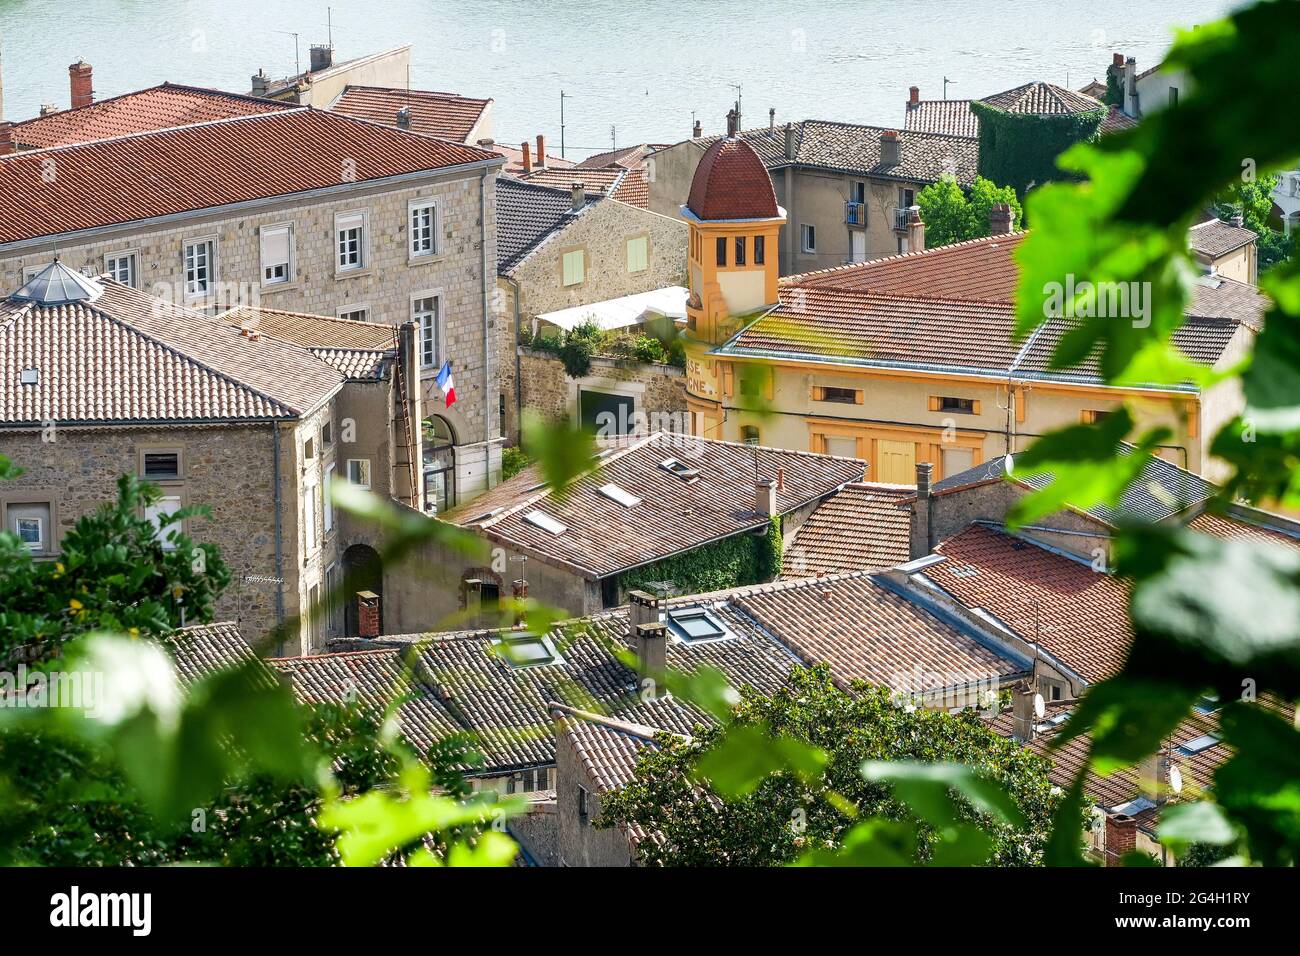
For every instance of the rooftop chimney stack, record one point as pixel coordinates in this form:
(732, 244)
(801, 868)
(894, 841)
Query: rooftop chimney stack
(48, 109)
(367, 614)
(1121, 837)
(261, 83)
(698, 130)
(1022, 713)
(486, 143)
(322, 57)
(789, 141)
(404, 118)
(921, 508)
(1000, 219)
(765, 497)
(1153, 775)
(1238, 220)
(1118, 60)
(1131, 105)
(648, 636)
(541, 151)
(890, 152)
(913, 95)
(6, 137)
(528, 157)
(578, 193)
(79, 79)
(771, 121)
(915, 230)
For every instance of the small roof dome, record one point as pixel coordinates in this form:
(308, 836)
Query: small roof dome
(731, 182)
(56, 284)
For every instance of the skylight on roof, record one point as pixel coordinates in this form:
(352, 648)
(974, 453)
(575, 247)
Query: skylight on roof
(621, 495)
(1198, 744)
(695, 624)
(1134, 806)
(682, 471)
(525, 649)
(545, 522)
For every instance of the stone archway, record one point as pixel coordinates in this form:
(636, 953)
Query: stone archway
(363, 570)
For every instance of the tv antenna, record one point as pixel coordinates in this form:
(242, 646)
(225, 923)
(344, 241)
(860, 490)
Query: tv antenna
(946, 81)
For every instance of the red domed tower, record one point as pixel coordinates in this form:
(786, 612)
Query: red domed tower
(735, 224)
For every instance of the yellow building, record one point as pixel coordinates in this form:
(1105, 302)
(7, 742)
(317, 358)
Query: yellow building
(910, 358)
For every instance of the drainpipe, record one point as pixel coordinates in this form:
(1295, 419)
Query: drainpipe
(519, 367)
(489, 399)
(279, 540)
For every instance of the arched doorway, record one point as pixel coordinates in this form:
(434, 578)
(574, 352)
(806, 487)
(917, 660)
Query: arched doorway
(362, 571)
(439, 465)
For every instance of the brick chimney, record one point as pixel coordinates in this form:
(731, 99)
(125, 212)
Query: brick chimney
(6, 138)
(890, 152)
(1022, 712)
(697, 130)
(765, 497)
(920, 530)
(528, 157)
(79, 79)
(404, 118)
(1121, 837)
(367, 614)
(1000, 219)
(915, 230)
(578, 194)
(913, 95)
(1117, 60)
(541, 151)
(647, 634)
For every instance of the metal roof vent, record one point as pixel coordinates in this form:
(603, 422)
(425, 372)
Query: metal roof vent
(56, 284)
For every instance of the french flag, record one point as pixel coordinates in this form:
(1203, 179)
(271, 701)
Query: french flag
(446, 384)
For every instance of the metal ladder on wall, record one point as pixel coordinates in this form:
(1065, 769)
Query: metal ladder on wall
(399, 382)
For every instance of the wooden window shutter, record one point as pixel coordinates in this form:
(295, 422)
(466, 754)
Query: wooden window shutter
(975, 406)
(936, 403)
(860, 396)
(818, 393)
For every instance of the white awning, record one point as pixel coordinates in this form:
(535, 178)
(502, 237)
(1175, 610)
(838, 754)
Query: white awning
(624, 311)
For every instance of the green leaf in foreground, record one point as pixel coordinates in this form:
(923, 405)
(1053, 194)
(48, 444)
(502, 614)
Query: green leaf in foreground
(748, 754)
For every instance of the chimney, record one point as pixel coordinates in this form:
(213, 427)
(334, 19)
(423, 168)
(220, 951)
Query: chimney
(649, 636)
(765, 497)
(6, 137)
(519, 591)
(48, 109)
(486, 143)
(578, 192)
(921, 512)
(1000, 219)
(79, 79)
(789, 141)
(1121, 837)
(771, 121)
(1238, 220)
(890, 153)
(528, 157)
(1153, 776)
(915, 230)
(541, 151)
(261, 83)
(404, 118)
(780, 479)
(367, 614)
(1131, 105)
(1022, 712)
(913, 95)
(1118, 60)
(698, 130)
(732, 121)
(322, 57)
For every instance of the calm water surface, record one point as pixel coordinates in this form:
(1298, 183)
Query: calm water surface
(645, 68)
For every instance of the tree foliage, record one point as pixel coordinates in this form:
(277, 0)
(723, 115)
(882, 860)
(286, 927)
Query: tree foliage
(952, 214)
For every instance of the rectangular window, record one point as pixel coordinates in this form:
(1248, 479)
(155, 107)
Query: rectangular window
(424, 312)
(584, 806)
(906, 198)
(740, 250)
(351, 231)
(1091, 416)
(749, 434)
(166, 505)
(120, 267)
(199, 271)
(759, 243)
(962, 406)
(277, 254)
(359, 471)
(160, 465)
(354, 313)
(327, 434)
(574, 271)
(309, 449)
(721, 247)
(310, 535)
(638, 254)
(424, 229)
(327, 506)
(30, 522)
(809, 237)
(833, 393)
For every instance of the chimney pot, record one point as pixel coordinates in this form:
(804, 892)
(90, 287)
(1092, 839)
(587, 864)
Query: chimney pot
(578, 193)
(527, 158)
(261, 83)
(915, 230)
(765, 497)
(648, 636)
(919, 526)
(771, 120)
(6, 137)
(404, 118)
(486, 143)
(48, 109)
(780, 479)
(789, 141)
(81, 84)
(1117, 59)
(913, 95)
(924, 472)
(322, 57)
(890, 151)
(367, 614)
(1000, 219)
(541, 151)
(698, 130)
(1121, 837)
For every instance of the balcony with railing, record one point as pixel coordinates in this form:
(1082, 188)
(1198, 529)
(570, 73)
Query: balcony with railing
(900, 219)
(855, 213)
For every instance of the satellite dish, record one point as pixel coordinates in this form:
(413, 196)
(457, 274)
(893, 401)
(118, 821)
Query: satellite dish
(1008, 463)
(1040, 708)
(1175, 780)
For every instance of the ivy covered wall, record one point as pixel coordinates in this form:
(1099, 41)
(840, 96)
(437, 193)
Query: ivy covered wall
(731, 562)
(1020, 149)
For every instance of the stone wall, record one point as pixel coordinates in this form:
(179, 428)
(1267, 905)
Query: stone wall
(657, 389)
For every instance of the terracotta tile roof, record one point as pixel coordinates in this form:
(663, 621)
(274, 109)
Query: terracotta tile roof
(629, 157)
(1078, 615)
(1042, 99)
(203, 649)
(862, 527)
(527, 213)
(314, 331)
(1116, 121)
(515, 159)
(949, 117)
(194, 167)
(158, 107)
(865, 631)
(1214, 238)
(608, 748)
(1228, 526)
(604, 537)
(731, 182)
(130, 357)
(1219, 296)
(444, 115)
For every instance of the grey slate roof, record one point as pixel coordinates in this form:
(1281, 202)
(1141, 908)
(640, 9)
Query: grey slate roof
(526, 213)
